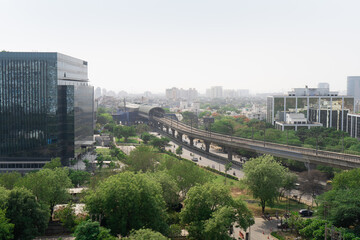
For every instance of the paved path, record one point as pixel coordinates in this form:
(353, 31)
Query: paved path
(260, 230)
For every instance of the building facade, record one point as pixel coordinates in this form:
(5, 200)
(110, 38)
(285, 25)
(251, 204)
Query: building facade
(46, 108)
(353, 126)
(318, 105)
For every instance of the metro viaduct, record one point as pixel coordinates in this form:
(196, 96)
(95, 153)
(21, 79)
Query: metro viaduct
(177, 129)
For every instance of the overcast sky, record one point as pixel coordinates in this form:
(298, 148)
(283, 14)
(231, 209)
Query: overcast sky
(137, 46)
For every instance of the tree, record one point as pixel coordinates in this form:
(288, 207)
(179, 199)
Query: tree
(67, 217)
(311, 182)
(79, 178)
(187, 175)
(100, 160)
(264, 177)
(227, 168)
(141, 129)
(4, 193)
(89, 230)
(104, 118)
(125, 132)
(341, 204)
(179, 150)
(29, 216)
(9, 179)
(143, 158)
(146, 137)
(145, 234)
(289, 181)
(117, 153)
(225, 126)
(170, 189)
(160, 143)
(87, 163)
(49, 186)
(217, 227)
(210, 211)
(128, 201)
(54, 163)
(6, 228)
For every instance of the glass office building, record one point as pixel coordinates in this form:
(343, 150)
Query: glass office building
(317, 104)
(46, 108)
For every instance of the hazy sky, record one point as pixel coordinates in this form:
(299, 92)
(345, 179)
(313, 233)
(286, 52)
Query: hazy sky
(261, 45)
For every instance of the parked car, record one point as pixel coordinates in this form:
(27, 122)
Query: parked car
(306, 212)
(195, 159)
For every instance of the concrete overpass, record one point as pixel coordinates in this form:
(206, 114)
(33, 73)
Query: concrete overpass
(306, 155)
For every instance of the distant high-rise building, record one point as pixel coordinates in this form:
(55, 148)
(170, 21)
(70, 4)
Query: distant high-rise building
(176, 94)
(46, 108)
(243, 92)
(353, 87)
(323, 85)
(215, 92)
(97, 92)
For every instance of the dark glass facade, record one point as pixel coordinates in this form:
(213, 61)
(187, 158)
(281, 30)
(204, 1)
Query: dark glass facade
(46, 106)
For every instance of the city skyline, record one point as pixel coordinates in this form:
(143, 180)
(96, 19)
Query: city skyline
(151, 46)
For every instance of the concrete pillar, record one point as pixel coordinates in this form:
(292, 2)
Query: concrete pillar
(207, 146)
(229, 152)
(180, 135)
(173, 132)
(191, 141)
(167, 129)
(310, 166)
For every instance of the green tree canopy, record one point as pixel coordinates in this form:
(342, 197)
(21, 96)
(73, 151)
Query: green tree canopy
(49, 186)
(128, 201)
(160, 143)
(104, 118)
(143, 158)
(125, 132)
(9, 179)
(54, 163)
(170, 189)
(89, 230)
(341, 205)
(146, 137)
(264, 177)
(145, 234)
(29, 216)
(6, 228)
(210, 211)
(79, 178)
(187, 174)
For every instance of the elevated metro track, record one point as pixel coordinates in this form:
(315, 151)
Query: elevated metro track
(340, 160)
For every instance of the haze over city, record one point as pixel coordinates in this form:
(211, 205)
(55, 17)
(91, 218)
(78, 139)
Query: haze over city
(137, 46)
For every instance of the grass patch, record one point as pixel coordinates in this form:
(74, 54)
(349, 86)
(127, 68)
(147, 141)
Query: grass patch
(286, 235)
(130, 140)
(276, 235)
(103, 151)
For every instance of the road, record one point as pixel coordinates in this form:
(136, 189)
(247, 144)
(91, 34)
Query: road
(205, 161)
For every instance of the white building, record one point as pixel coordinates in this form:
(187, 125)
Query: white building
(294, 121)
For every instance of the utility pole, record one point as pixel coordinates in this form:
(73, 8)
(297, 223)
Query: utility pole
(287, 137)
(264, 135)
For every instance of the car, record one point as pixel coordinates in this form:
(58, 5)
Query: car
(195, 159)
(306, 212)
